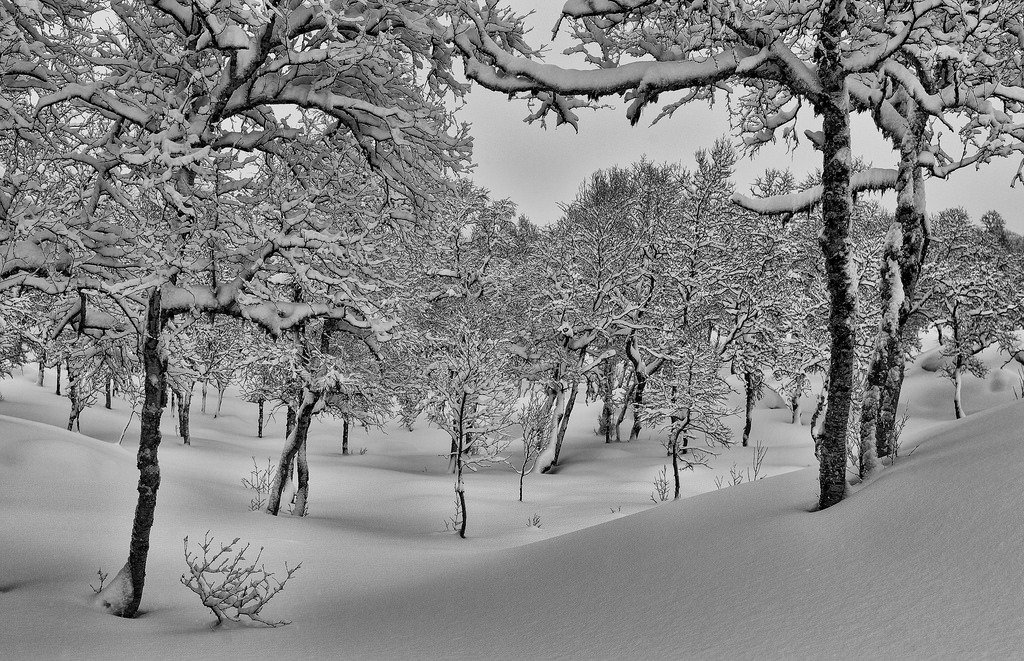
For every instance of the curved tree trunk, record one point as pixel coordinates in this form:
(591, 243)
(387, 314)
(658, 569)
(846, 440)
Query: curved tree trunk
(905, 251)
(296, 437)
(124, 594)
(563, 423)
(836, 245)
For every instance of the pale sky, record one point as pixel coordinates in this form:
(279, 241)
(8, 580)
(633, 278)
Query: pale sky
(538, 168)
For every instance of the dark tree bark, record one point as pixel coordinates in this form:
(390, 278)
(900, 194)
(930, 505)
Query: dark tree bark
(674, 451)
(42, 369)
(296, 437)
(344, 434)
(289, 421)
(834, 107)
(750, 387)
(57, 392)
(184, 409)
(124, 595)
(108, 392)
(604, 420)
(259, 427)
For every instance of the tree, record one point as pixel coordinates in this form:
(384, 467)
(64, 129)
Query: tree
(212, 78)
(975, 296)
(784, 55)
(472, 400)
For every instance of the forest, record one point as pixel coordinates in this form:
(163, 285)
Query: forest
(254, 311)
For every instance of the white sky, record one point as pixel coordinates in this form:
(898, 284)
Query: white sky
(538, 168)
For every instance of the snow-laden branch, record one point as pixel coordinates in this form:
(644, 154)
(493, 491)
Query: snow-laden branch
(871, 179)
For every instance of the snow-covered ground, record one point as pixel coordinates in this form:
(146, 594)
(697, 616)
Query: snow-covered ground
(923, 561)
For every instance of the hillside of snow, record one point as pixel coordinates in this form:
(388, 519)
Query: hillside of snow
(923, 561)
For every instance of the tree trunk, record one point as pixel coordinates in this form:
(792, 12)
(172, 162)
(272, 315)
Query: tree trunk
(621, 415)
(604, 420)
(42, 369)
(124, 595)
(259, 427)
(74, 399)
(905, 252)
(674, 445)
(794, 402)
(58, 366)
(750, 389)
(958, 382)
(888, 405)
(220, 399)
(344, 434)
(107, 392)
(296, 437)
(289, 421)
(300, 506)
(206, 383)
(460, 485)
(836, 246)
(638, 404)
(563, 424)
(184, 408)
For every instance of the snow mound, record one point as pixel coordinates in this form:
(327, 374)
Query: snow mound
(924, 561)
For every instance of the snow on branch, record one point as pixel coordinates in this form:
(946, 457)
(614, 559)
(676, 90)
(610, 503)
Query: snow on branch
(871, 179)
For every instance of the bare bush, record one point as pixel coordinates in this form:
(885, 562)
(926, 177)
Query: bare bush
(739, 475)
(662, 488)
(103, 578)
(231, 586)
(259, 480)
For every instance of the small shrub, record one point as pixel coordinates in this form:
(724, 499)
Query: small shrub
(751, 474)
(897, 432)
(662, 488)
(231, 586)
(533, 521)
(103, 577)
(362, 451)
(259, 481)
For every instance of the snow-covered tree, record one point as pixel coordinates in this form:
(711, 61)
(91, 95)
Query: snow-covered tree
(974, 295)
(472, 398)
(784, 56)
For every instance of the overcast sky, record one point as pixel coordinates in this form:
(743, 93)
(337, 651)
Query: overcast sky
(538, 168)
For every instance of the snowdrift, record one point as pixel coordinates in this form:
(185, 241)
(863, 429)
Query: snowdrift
(923, 561)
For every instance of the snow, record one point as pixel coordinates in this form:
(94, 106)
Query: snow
(922, 561)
